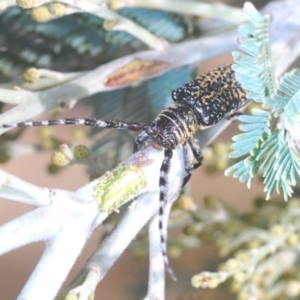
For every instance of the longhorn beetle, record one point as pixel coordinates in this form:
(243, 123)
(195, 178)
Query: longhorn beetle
(198, 105)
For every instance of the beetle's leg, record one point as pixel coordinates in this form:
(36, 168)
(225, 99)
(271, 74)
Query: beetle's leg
(196, 152)
(191, 152)
(163, 182)
(188, 158)
(234, 115)
(140, 139)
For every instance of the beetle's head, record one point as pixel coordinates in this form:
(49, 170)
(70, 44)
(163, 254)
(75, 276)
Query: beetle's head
(162, 133)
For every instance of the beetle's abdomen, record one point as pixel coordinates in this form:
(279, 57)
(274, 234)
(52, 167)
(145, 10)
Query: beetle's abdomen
(214, 95)
(174, 125)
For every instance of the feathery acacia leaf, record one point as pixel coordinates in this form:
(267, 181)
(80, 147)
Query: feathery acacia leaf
(268, 150)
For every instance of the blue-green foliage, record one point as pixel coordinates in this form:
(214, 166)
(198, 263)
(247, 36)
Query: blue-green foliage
(160, 88)
(281, 165)
(269, 148)
(49, 44)
(286, 97)
(170, 26)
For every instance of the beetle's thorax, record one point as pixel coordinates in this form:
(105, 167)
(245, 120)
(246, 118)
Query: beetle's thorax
(174, 125)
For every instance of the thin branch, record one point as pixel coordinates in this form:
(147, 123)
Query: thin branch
(19, 190)
(53, 79)
(6, 3)
(209, 10)
(70, 224)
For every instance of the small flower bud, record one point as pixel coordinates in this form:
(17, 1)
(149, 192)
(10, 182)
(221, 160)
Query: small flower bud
(212, 202)
(240, 277)
(243, 257)
(293, 288)
(174, 251)
(231, 264)
(26, 4)
(220, 148)
(206, 280)
(40, 14)
(45, 132)
(78, 134)
(109, 24)
(71, 297)
(221, 163)
(57, 9)
(185, 203)
(244, 295)
(214, 282)
(4, 156)
(31, 75)
(190, 230)
(292, 239)
(81, 152)
(277, 231)
(59, 159)
(207, 154)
